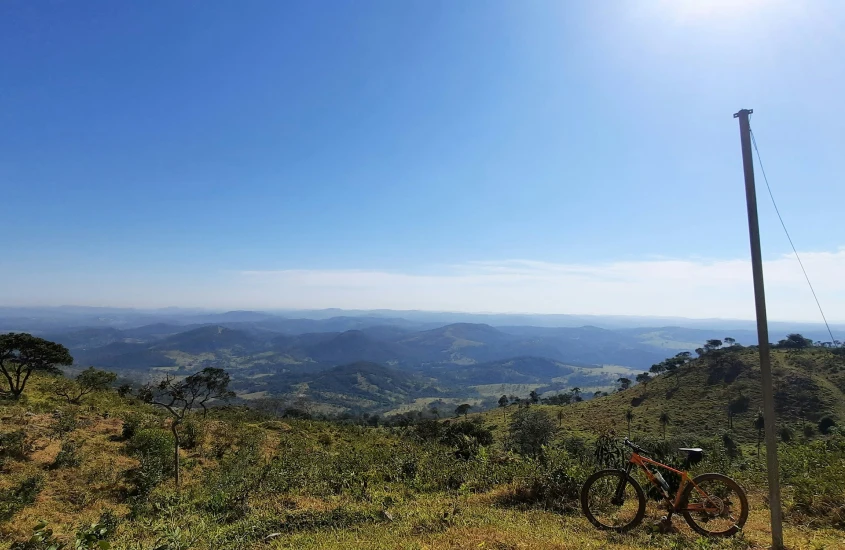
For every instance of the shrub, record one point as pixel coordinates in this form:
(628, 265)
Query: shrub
(731, 448)
(154, 449)
(530, 431)
(131, 423)
(554, 486)
(236, 480)
(64, 423)
(15, 498)
(67, 456)
(14, 445)
(41, 539)
(192, 434)
(825, 424)
(814, 471)
(87, 538)
(466, 437)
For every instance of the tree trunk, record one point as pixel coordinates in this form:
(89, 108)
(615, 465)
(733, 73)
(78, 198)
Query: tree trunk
(176, 476)
(629, 429)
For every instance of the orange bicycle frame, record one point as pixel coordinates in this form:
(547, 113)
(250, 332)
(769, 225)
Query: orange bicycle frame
(642, 461)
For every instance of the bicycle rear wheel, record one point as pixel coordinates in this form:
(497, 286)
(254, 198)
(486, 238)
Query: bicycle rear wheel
(720, 511)
(600, 504)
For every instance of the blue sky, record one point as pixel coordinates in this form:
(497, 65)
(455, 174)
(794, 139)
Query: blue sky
(395, 154)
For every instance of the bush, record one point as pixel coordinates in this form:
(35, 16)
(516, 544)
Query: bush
(466, 437)
(14, 445)
(15, 498)
(154, 449)
(67, 456)
(814, 472)
(64, 423)
(825, 424)
(555, 486)
(731, 448)
(530, 431)
(88, 538)
(192, 434)
(131, 423)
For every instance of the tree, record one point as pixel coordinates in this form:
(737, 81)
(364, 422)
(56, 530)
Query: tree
(530, 431)
(534, 397)
(88, 381)
(462, 409)
(794, 341)
(123, 390)
(629, 416)
(576, 394)
(624, 383)
(730, 341)
(21, 354)
(643, 378)
(596, 394)
(180, 397)
(825, 424)
(664, 421)
(700, 351)
(560, 418)
(712, 345)
(504, 402)
(759, 424)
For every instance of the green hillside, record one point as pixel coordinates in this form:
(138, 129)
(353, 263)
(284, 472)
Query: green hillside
(809, 385)
(100, 475)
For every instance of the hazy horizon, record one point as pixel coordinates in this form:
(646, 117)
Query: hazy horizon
(316, 313)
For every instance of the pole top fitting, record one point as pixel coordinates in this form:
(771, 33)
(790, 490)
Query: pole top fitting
(741, 111)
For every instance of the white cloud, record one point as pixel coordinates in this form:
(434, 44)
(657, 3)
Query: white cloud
(663, 287)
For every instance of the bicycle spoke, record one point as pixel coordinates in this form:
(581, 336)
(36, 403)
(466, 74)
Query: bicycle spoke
(716, 509)
(605, 507)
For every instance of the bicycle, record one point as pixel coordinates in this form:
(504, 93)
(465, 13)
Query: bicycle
(707, 502)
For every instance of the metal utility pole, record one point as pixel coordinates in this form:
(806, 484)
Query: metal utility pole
(762, 331)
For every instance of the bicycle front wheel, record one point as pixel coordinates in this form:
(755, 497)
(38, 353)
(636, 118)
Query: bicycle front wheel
(613, 501)
(717, 507)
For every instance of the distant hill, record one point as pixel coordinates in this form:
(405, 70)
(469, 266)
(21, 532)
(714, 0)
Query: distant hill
(357, 387)
(122, 356)
(517, 370)
(207, 340)
(467, 343)
(355, 345)
(154, 331)
(88, 337)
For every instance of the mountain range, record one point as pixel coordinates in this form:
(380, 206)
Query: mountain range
(394, 360)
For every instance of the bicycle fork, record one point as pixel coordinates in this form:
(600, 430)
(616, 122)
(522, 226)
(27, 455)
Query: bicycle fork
(619, 496)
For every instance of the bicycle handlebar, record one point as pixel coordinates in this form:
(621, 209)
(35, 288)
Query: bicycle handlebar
(634, 446)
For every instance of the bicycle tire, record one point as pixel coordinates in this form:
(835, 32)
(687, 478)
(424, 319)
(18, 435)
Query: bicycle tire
(730, 483)
(620, 475)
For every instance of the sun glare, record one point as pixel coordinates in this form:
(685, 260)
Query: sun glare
(699, 9)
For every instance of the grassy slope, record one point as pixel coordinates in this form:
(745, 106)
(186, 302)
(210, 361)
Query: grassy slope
(697, 396)
(77, 495)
